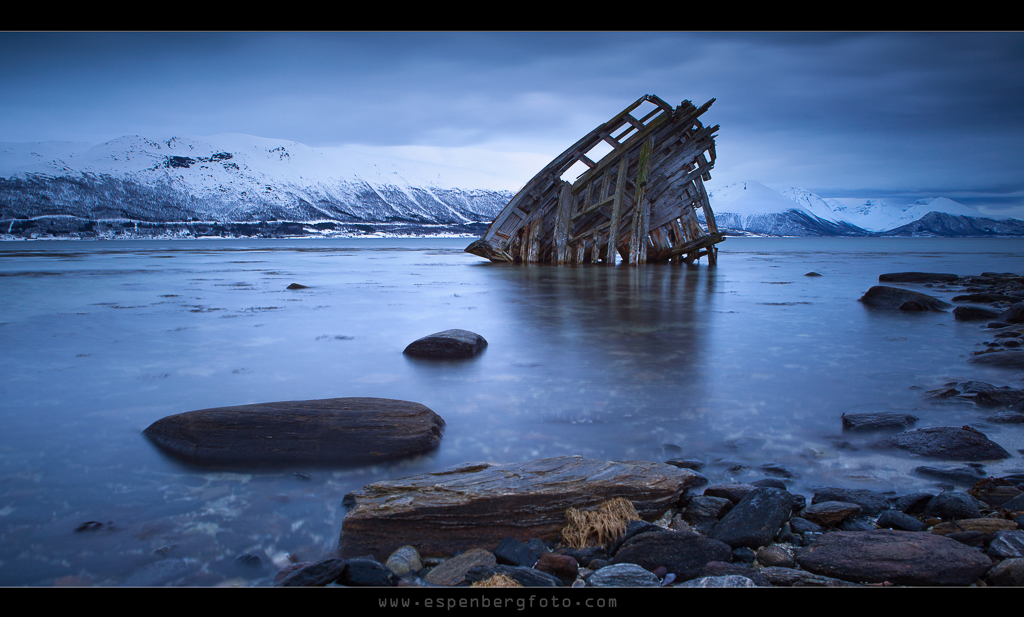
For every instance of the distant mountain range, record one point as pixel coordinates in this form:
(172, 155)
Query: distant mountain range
(753, 208)
(240, 185)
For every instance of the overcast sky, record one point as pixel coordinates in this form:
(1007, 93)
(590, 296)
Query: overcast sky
(891, 115)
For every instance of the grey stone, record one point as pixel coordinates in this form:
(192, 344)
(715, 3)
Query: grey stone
(756, 519)
(830, 513)
(1007, 544)
(731, 580)
(367, 573)
(871, 502)
(894, 519)
(953, 505)
(958, 444)
(527, 577)
(318, 574)
(1007, 573)
(789, 577)
(774, 555)
(681, 553)
(453, 571)
(454, 344)
(959, 475)
(623, 575)
(899, 557)
(405, 560)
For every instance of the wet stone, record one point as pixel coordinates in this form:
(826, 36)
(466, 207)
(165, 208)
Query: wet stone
(960, 475)
(1007, 544)
(318, 574)
(405, 560)
(367, 573)
(878, 420)
(918, 277)
(830, 513)
(899, 557)
(452, 344)
(756, 519)
(623, 575)
(953, 505)
(1007, 573)
(527, 577)
(681, 553)
(731, 580)
(775, 556)
(958, 444)
(871, 502)
(894, 519)
(453, 571)
(894, 298)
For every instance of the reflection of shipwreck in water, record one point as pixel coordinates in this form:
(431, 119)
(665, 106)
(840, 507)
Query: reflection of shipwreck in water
(641, 183)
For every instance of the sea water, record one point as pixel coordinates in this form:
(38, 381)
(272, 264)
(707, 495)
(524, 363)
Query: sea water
(745, 365)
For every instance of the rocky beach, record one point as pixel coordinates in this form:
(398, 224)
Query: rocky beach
(513, 525)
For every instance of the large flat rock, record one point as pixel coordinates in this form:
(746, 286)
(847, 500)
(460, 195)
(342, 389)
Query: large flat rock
(327, 431)
(946, 442)
(899, 557)
(477, 505)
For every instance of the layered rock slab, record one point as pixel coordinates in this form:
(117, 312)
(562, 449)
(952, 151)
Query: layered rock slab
(899, 557)
(478, 505)
(324, 431)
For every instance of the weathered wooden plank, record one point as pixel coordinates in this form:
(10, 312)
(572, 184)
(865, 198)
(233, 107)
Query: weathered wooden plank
(562, 223)
(641, 207)
(613, 228)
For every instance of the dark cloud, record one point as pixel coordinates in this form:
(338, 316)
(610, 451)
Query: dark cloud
(840, 111)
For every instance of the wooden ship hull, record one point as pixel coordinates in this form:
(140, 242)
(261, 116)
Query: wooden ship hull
(638, 201)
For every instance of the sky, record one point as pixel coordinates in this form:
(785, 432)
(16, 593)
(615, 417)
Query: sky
(896, 116)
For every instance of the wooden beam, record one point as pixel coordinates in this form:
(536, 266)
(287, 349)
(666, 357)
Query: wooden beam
(613, 228)
(562, 223)
(641, 208)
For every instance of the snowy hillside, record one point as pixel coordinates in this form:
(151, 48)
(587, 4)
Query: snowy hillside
(755, 208)
(236, 178)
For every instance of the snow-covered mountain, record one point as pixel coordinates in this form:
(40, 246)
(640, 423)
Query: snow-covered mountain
(239, 184)
(752, 207)
(236, 178)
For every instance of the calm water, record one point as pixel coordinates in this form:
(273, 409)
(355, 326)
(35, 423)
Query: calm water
(740, 365)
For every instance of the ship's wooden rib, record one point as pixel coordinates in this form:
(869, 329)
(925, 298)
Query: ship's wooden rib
(637, 201)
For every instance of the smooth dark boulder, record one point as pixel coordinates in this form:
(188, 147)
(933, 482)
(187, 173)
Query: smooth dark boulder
(918, 277)
(367, 573)
(899, 557)
(447, 344)
(877, 420)
(894, 519)
(870, 502)
(318, 574)
(683, 554)
(974, 313)
(953, 505)
(1013, 315)
(894, 298)
(325, 431)
(478, 505)
(946, 442)
(1006, 359)
(297, 286)
(756, 519)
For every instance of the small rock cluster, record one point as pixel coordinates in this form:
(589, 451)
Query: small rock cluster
(746, 535)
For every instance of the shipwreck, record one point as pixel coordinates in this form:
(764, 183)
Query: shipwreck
(637, 185)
